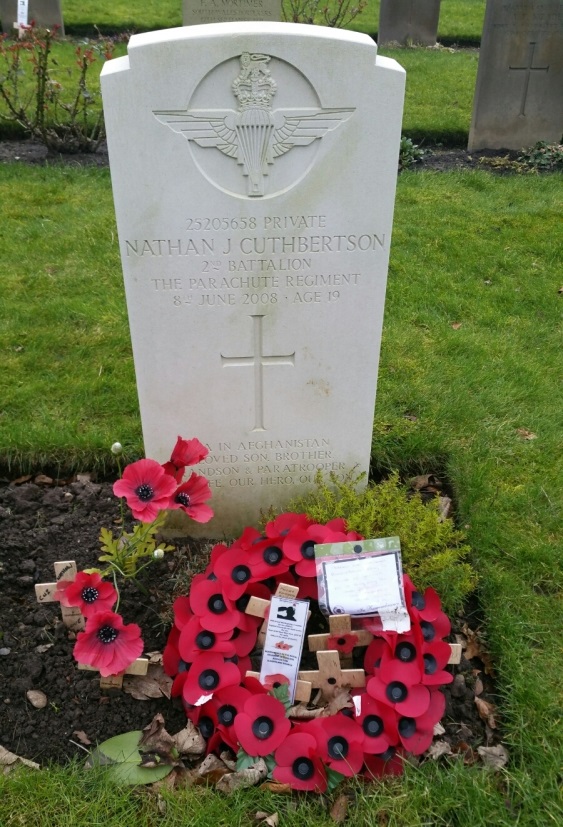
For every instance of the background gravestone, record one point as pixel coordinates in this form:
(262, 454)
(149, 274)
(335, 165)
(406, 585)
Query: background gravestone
(519, 91)
(46, 13)
(225, 11)
(254, 194)
(408, 21)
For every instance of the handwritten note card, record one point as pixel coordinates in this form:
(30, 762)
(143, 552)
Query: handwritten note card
(284, 641)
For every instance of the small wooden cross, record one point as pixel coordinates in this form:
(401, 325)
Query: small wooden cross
(339, 625)
(258, 607)
(138, 667)
(330, 675)
(45, 593)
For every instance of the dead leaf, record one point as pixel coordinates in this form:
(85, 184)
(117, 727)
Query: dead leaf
(245, 778)
(340, 700)
(303, 712)
(154, 684)
(9, 761)
(21, 480)
(276, 788)
(486, 711)
(210, 764)
(225, 757)
(36, 698)
(474, 648)
(339, 809)
(428, 483)
(82, 737)
(456, 325)
(156, 745)
(445, 508)
(43, 479)
(189, 741)
(494, 757)
(478, 688)
(43, 647)
(439, 748)
(438, 729)
(526, 434)
(271, 820)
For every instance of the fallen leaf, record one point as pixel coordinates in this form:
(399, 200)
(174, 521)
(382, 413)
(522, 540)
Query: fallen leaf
(426, 482)
(439, 748)
(438, 729)
(478, 689)
(43, 479)
(245, 778)
(21, 480)
(210, 764)
(225, 757)
(36, 698)
(189, 741)
(43, 647)
(156, 745)
(456, 325)
(339, 809)
(303, 712)
(9, 761)
(82, 737)
(276, 788)
(526, 434)
(494, 757)
(155, 684)
(340, 700)
(270, 819)
(486, 711)
(474, 648)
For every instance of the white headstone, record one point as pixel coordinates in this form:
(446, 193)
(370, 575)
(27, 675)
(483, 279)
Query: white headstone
(254, 170)
(225, 11)
(45, 13)
(519, 91)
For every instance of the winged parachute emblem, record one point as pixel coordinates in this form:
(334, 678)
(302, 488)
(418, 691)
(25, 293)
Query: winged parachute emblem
(254, 135)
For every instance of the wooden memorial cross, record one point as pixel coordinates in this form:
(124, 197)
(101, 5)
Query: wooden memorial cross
(138, 667)
(330, 675)
(45, 593)
(339, 625)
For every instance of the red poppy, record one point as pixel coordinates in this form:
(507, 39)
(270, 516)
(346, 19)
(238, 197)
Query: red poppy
(284, 523)
(170, 655)
(108, 644)
(416, 734)
(378, 723)
(208, 674)
(274, 681)
(215, 611)
(298, 763)
(340, 742)
(185, 452)
(194, 640)
(266, 559)
(299, 547)
(398, 685)
(435, 657)
(243, 640)
(182, 611)
(228, 703)
(243, 664)
(343, 643)
(425, 606)
(190, 497)
(373, 655)
(88, 592)
(308, 588)
(261, 726)
(232, 569)
(390, 762)
(146, 487)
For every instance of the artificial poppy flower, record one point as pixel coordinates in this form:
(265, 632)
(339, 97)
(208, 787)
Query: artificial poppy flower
(108, 644)
(87, 592)
(435, 657)
(261, 726)
(308, 588)
(298, 763)
(194, 640)
(283, 524)
(182, 611)
(228, 703)
(146, 487)
(208, 674)
(416, 734)
(233, 571)
(190, 497)
(299, 547)
(243, 640)
(266, 559)
(253, 590)
(378, 723)
(425, 606)
(340, 743)
(390, 762)
(373, 655)
(215, 611)
(274, 681)
(398, 685)
(185, 452)
(343, 643)
(170, 655)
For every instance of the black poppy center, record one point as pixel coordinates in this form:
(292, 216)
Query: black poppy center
(341, 641)
(226, 715)
(272, 555)
(208, 680)
(145, 492)
(406, 652)
(205, 640)
(262, 727)
(430, 664)
(240, 574)
(216, 604)
(183, 499)
(407, 727)
(308, 550)
(242, 602)
(90, 594)
(372, 726)
(303, 768)
(337, 747)
(387, 755)
(107, 634)
(418, 601)
(396, 692)
(206, 726)
(428, 631)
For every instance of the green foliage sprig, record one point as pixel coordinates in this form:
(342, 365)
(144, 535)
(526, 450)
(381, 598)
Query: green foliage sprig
(124, 552)
(434, 552)
(409, 153)
(543, 156)
(336, 14)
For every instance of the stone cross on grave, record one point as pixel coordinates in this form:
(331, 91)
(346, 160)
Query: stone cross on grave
(45, 593)
(528, 70)
(258, 360)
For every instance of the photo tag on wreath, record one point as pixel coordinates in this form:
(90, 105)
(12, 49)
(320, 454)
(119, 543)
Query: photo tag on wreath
(283, 646)
(363, 578)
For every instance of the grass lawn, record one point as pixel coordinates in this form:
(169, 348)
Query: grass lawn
(470, 352)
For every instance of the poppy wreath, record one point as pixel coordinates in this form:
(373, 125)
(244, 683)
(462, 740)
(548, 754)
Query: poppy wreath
(208, 655)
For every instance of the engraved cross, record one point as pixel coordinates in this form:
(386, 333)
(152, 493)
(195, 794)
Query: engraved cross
(258, 360)
(528, 69)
